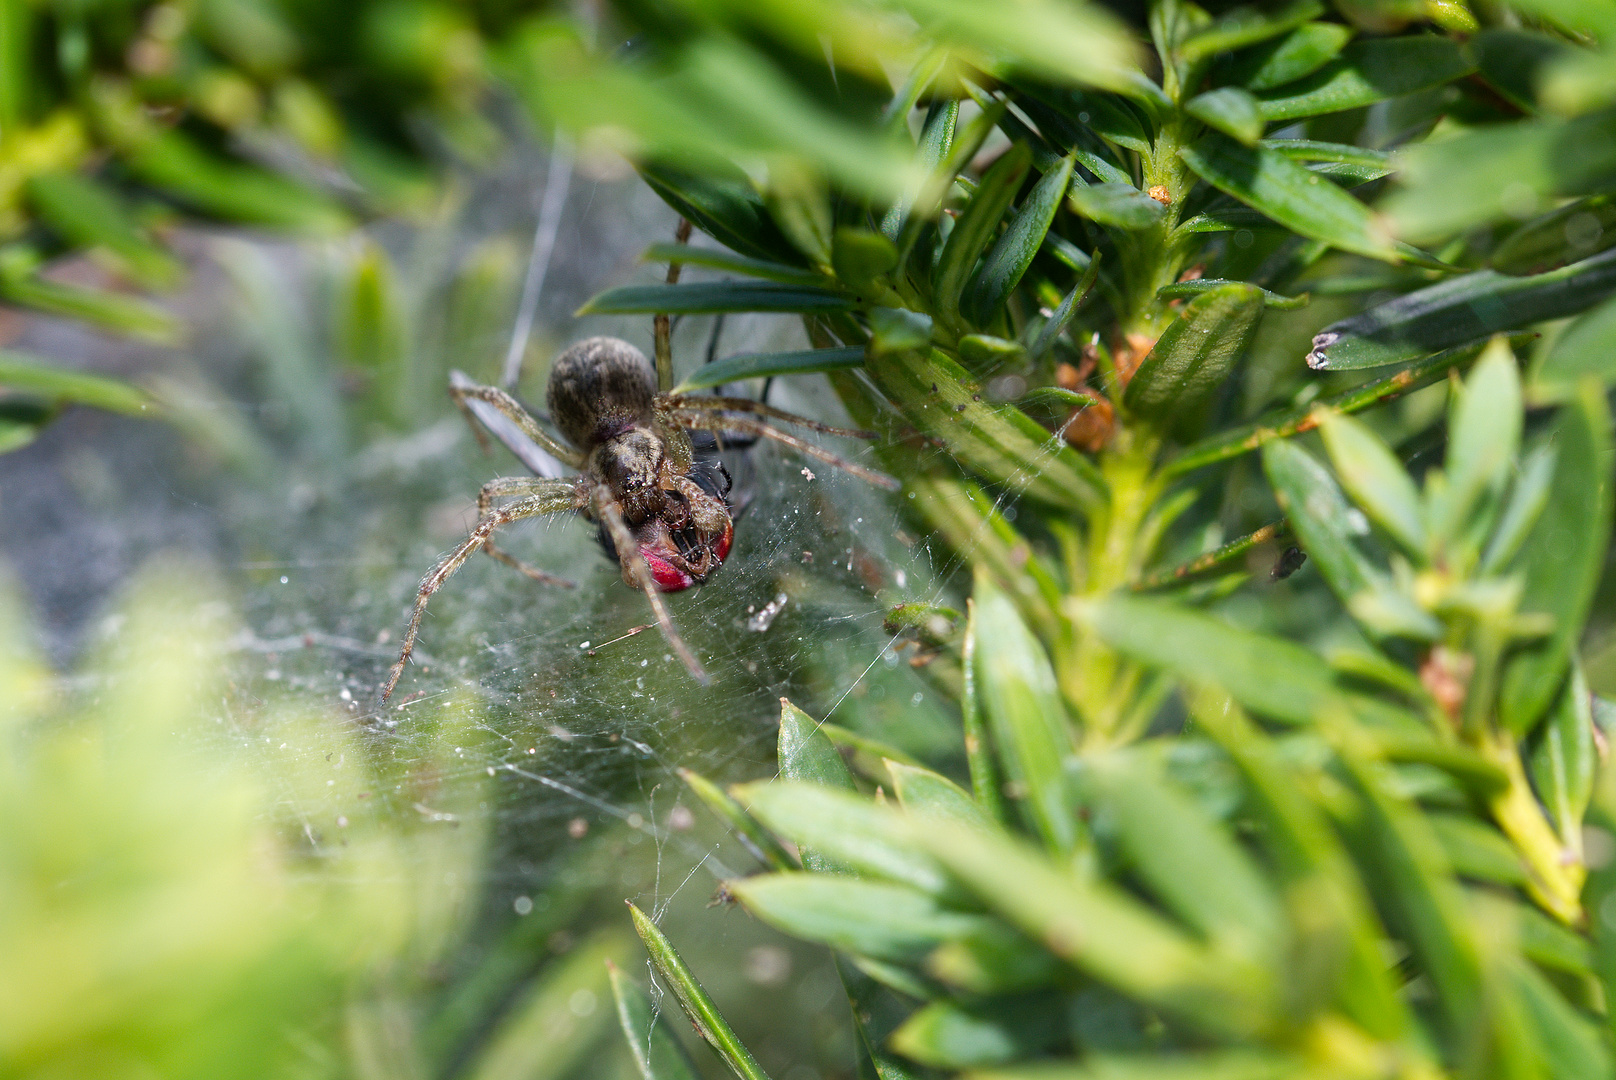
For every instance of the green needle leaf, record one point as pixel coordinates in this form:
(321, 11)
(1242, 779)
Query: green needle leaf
(1103, 931)
(1375, 478)
(656, 1052)
(764, 846)
(1230, 110)
(846, 828)
(1120, 205)
(709, 1023)
(1298, 198)
(1195, 354)
(711, 297)
(735, 264)
(1328, 528)
(882, 921)
(767, 365)
(38, 378)
(1299, 53)
(1013, 253)
(1186, 858)
(974, 228)
(1369, 71)
(1563, 557)
(1457, 310)
(1016, 690)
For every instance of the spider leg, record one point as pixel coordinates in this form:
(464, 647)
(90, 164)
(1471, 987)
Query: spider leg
(462, 389)
(628, 550)
(757, 427)
(712, 404)
(561, 497)
(504, 487)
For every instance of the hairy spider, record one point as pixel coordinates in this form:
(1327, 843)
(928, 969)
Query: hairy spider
(664, 515)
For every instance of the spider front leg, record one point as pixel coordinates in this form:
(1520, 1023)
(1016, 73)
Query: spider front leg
(639, 574)
(558, 496)
(505, 487)
(717, 422)
(463, 390)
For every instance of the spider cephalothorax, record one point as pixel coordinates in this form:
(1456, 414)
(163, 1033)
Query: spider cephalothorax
(662, 514)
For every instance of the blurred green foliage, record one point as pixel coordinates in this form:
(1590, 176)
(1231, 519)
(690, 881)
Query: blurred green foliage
(189, 896)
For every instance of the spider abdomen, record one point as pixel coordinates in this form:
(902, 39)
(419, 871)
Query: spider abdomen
(600, 387)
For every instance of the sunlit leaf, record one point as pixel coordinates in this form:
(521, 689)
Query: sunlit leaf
(1375, 478)
(1181, 290)
(1272, 676)
(87, 213)
(1337, 927)
(235, 192)
(1230, 110)
(109, 310)
(1484, 432)
(884, 921)
(1289, 193)
(1374, 163)
(929, 794)
(1121, 205)
(1196, 352)
(1299, 53)
(758, 839)
(1325, 522)
(1526, 502)
(847, 829)
(1366, 72)
(1499, 172)
(1477, 850)
(1244, 26)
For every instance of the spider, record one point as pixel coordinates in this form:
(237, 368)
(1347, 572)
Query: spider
(662, 513)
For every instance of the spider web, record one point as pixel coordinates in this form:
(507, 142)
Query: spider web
(574, 713)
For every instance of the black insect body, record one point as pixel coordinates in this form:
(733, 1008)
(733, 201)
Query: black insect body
(664, 515)
(1290, 560)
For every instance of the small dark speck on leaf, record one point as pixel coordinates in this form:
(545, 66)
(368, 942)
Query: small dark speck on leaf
(960, 407)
